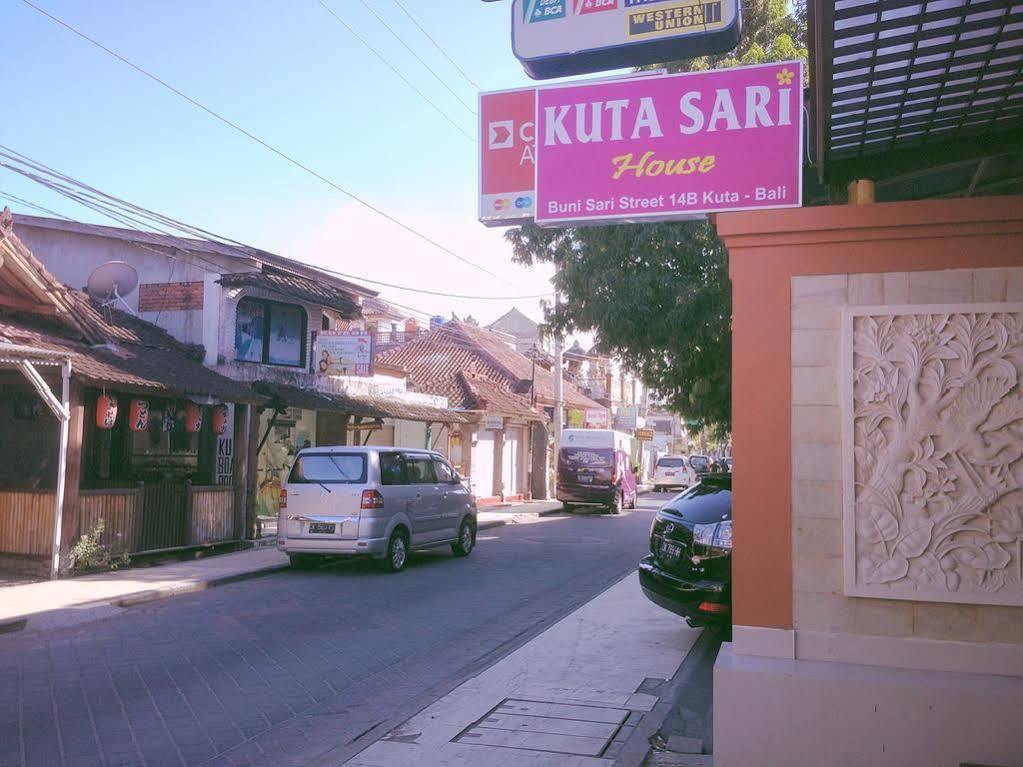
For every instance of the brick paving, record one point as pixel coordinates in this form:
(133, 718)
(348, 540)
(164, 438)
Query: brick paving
(293, 668)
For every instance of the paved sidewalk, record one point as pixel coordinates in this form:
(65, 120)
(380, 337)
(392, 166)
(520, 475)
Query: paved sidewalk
(571, 697)
(48, 605)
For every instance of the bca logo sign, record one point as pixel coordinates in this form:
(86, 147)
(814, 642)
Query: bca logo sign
(501, 135)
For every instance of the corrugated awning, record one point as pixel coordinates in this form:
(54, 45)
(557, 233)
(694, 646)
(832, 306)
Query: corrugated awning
(357, 405)
(925, 94)
(297, 288)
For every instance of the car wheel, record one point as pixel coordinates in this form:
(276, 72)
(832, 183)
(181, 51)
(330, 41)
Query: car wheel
(658, 489)
(397, 552)
(466, 540)
(303, 561)
(617, 504)
(634, 501)
(567, 508)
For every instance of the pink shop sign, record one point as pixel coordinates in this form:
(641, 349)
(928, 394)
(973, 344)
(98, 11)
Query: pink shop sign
(670, 146)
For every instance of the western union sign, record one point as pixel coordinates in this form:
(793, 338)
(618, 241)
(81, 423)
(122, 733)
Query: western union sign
(679, 17)
(556, 38)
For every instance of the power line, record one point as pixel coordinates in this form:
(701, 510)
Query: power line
(437, 45)
(284, 156)
(129, 214)
(432, 292)
(408, 48)
(396, 71)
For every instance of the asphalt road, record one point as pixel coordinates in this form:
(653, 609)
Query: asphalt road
(299, 668)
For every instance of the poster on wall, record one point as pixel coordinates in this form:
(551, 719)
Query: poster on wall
(343, 353)
(670, 147)
(224, 469)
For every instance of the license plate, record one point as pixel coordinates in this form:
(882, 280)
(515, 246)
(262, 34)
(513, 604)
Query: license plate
(322, 528)
(585, 478)
(669, 474)
(670, 550)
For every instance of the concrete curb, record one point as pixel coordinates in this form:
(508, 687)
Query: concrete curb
(638, 747)
(23, 622)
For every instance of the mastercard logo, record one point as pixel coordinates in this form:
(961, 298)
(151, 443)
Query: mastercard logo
(507, 203)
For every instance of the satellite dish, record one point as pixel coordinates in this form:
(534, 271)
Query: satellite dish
(109, 283)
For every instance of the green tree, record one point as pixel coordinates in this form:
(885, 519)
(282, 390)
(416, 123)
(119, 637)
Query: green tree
(658, 295)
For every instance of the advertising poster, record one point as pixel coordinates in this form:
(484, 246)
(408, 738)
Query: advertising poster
(343, 353)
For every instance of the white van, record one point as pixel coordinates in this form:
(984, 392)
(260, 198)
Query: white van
(375, 501)
(673, 471)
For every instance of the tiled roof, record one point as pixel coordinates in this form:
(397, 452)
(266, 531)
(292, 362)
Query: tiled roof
(357, 404)
(494, 398)
(295, 287)
(434, 361)
(254, 256)
(146, 368)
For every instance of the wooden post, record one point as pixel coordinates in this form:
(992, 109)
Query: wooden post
(73, 473)
(240, 467)
(252, 474)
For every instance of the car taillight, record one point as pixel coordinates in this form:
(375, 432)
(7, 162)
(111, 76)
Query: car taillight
(371, 499)
(714, 607)
(284, 499)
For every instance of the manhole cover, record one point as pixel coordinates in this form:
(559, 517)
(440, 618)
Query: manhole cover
(560, 728)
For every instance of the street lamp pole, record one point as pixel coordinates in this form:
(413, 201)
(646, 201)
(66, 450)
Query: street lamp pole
(559, 361)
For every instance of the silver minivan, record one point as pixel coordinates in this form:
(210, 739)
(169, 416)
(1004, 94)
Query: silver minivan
(376, 501)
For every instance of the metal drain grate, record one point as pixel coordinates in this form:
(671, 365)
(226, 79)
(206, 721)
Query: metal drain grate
(560, 728)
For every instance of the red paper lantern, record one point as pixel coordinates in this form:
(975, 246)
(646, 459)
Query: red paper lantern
(219, 419)
(193, 417)
(106, 411)
(139, 415)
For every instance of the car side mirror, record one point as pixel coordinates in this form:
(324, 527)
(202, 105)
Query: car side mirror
(456, 478)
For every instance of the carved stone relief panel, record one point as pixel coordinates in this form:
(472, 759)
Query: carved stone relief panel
(933, 440)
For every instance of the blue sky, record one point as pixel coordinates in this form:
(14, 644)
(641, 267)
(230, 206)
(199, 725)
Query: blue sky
(295, 77)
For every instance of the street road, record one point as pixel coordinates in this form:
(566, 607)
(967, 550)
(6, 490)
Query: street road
(299, 668)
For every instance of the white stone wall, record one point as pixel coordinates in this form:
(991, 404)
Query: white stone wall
(820, 603)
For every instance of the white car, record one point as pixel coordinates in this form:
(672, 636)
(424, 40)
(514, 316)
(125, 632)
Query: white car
(673, 471)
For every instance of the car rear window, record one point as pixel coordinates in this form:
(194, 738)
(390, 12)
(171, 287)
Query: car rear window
(671, 463)
(595, 457)
(705, 502)
(700, 462)
(329, 469)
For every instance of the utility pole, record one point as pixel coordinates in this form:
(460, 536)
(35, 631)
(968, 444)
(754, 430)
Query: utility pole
(559, 360)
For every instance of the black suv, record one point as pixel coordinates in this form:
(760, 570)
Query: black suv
(689, 568)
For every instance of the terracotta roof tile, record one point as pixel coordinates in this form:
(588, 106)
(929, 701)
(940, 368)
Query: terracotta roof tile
(298, 288)
(435, 360)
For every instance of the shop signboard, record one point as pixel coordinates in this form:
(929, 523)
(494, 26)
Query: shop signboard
(557, 38)
(493, 422)
(670, 147)
(507, 148)
(343, 353)
(644, 435)
(596, 418)
(627, 418)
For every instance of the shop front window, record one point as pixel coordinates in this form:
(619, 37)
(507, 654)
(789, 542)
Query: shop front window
(269, 332)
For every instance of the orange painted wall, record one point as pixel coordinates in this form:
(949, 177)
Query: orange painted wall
(766, 249)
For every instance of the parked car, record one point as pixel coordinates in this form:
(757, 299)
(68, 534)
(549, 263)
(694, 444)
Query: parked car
(701, 464)
(689, 568)
(380, 502)
(673, 471)
(594, 470)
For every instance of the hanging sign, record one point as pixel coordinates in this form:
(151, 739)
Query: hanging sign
(670, 147)
(507, 148)
(645, 435)
(556, 38)
(138, 415)
(493, 422)
(106, 411)
(343, 352)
